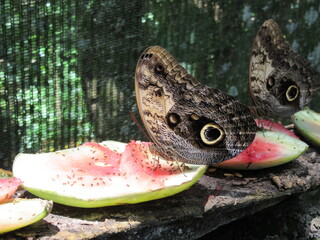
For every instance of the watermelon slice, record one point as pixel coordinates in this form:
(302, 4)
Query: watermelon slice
(22, 212)
(96, 175)
(268, 149)
(8, 187)
(273, 126)
(307, 122)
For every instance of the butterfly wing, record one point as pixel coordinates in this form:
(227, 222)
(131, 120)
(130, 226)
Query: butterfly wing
(280, 81)
(188, 121)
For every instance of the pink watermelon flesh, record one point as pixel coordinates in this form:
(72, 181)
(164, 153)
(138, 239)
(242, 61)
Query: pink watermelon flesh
(268, 149)
(273, 126)
(92, 175)
(8, 187)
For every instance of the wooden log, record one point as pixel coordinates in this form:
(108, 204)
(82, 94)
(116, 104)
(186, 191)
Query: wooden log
(218, 198)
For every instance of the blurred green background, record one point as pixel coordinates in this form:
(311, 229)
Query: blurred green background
(67, 66)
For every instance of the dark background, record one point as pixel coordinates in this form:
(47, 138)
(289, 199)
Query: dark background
(67, 66)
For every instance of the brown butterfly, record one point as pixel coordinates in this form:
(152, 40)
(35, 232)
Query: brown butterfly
(188, 121)
(281, 81)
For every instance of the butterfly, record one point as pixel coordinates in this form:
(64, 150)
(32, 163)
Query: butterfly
(281, 81)
(188, 121)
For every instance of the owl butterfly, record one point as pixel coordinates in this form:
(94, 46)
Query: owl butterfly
(188, 121)
(281, 81)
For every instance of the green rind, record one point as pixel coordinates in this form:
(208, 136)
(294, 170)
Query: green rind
(18, 211)
(84, 201)
(307, 122)
(293, 146)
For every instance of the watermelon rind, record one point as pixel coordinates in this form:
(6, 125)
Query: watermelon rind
(276, 149)
(307, 122)
(22, 212)
(26, 168)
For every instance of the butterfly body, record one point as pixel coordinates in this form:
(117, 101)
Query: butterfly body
(281, 81)
(187, 120)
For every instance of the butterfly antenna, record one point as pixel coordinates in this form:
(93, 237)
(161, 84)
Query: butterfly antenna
(133, 117)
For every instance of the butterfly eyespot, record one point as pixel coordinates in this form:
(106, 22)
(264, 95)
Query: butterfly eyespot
(292, 93)
(211, 134)
(159, 68)
(173, 120)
